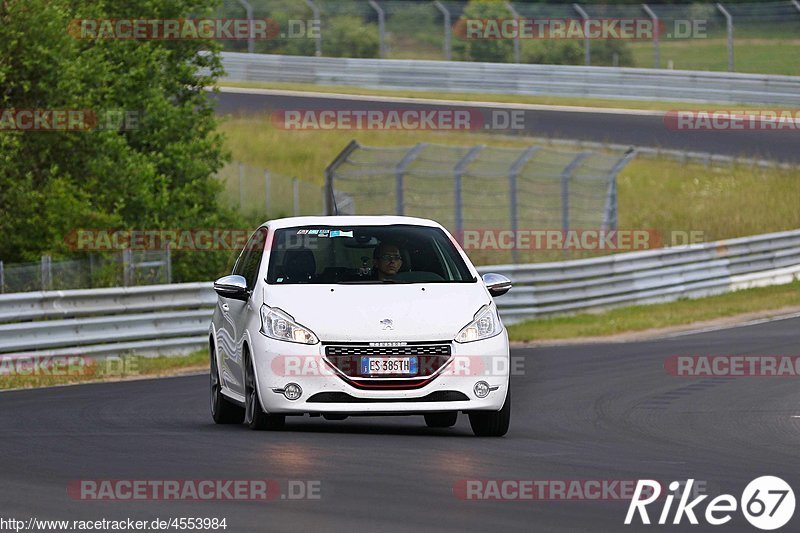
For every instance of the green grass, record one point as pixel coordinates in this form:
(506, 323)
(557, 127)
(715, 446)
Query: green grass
(79, 370)
(605, 103)
(761, 56)
(644, 317)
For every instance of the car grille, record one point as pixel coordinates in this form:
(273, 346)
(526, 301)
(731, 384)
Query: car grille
(388, 351)
(431, 356)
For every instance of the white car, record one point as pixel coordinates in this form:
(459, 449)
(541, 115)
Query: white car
(358, 315)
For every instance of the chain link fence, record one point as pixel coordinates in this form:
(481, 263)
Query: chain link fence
(735, 36)
(259, 192)
(125, 269)
(481, 189)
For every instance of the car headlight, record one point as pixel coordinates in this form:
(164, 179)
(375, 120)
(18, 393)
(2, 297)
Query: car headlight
(485, 324)
(276, 324)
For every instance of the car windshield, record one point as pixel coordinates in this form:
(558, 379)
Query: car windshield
(365, 255)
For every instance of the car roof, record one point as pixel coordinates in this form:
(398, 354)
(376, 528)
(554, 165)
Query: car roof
(349, 220)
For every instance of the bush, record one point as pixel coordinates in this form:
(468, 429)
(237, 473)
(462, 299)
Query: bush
(348, 36)
(488, 50)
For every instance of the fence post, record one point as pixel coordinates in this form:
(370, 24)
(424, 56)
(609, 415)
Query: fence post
(381, 27)
(249, 13)
(586, 43)
(168, 263)
(47, 272)
(2, 278)
(729, 20)
(458, 171)
(241, 186)
(399, 174)
(610, 214)
(318, 37)
(656, 30)
(516, 39)
(127, 263)
(513, 174)
(448, 50)
(267, 187)
(566, 174)
(329, 197)
(295, 196)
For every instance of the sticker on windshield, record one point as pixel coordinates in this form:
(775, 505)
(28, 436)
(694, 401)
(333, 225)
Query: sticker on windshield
(313, 231)
(340, 233)
(302, 231)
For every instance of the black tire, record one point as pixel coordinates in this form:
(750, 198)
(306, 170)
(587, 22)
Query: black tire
(492, 423)
(254, 415)
(441, 420)
(223, 411)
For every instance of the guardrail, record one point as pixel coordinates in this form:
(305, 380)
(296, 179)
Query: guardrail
(522, 79)
(162, 319)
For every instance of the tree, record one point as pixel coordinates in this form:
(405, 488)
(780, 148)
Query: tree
(155, 171)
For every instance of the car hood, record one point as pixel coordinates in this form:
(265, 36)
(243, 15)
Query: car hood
(353, 313)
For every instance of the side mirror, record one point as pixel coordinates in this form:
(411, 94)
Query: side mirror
(497, 284)
(232, 287)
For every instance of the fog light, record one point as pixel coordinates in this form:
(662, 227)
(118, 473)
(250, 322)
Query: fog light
(292, 391)
(481, 389)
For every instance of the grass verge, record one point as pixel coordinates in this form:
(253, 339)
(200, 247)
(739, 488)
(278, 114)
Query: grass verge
(76, 369)
(644, 317)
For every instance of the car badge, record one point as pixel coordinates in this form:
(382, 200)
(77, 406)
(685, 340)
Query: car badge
(387, 323)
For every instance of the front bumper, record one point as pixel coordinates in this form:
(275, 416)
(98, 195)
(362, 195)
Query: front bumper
(279, 363)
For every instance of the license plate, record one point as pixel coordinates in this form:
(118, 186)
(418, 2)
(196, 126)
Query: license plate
(385, 366)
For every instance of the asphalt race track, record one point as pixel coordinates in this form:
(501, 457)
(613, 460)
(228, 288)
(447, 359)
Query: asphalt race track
(589, 412)
(640, 129)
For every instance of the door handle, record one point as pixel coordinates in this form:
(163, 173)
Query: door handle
(225, 307)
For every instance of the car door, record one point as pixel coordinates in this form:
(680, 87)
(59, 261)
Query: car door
(235, 313)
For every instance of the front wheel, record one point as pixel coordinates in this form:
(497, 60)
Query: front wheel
(222, 410)
(254, 415)
(492, 423)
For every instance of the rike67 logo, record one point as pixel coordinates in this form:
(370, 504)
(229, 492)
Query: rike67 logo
(767, 503)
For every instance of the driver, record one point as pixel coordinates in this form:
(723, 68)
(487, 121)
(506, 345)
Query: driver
(386, 260)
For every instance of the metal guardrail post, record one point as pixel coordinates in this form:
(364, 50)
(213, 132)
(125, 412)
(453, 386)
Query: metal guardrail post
(381, 27)
(513, 174)
(329, 197)
(458, 171)
(729, 20)
(2, 279)
(516, 40)
(586, 43)
(566, 174)
(267, 190)
(47, 273)
(399, 174)
(448, 50)
(317, 17)
(656, 31)
(249, 13)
